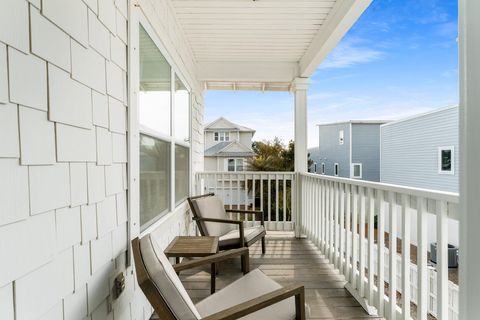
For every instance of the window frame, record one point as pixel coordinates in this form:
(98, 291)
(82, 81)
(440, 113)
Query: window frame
(322, 168)
(336, 169)
(221, 136)
(235, 166)
(452, 160)
(353, 170)
(135, 128)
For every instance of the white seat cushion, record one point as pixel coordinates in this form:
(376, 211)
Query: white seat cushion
(166, 280)
(233, 237)
(250, 286)
(212, 207)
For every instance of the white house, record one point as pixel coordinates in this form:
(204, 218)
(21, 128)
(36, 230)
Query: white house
(228, 146)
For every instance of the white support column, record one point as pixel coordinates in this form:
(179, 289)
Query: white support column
(469, 41)
(300, 89)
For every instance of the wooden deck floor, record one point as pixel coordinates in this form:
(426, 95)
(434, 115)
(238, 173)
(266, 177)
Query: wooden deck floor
(288, 260)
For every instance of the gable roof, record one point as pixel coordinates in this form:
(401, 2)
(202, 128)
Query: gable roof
(227, 149)
(224, 124)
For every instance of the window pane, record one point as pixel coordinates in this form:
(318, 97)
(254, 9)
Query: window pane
(154, 178)
(181, 173)
(181, 111)
(239, 164)
(155, 86)
(446, 160)
(356, 170)
(231, 164)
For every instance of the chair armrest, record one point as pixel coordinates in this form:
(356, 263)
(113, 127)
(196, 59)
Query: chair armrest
(237, 222)
(258, 214)
(214, 258)
(264, 301)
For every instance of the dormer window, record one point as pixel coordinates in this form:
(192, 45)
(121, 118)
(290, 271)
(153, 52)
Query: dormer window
(222, 136)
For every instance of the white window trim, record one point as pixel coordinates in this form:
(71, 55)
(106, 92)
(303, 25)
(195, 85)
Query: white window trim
(134, 129)
(336, 165)
(222, 136)
(322, 168)
(440, 171)
(235, 164)
(353, 170)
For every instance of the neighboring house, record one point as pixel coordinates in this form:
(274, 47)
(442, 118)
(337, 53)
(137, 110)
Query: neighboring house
(228, 146)
(349, 149)
(423, 152)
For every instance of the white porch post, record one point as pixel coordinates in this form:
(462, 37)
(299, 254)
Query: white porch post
(469, 40)
(300, 88)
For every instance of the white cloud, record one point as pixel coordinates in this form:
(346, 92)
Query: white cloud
(349, 53)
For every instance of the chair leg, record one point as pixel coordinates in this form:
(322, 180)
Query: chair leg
(263, 245)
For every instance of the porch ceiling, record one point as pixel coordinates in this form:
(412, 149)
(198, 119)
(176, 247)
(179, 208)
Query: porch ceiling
(263, 44)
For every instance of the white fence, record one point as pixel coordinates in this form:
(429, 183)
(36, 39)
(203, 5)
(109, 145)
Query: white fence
(338, 215)
(273, 192)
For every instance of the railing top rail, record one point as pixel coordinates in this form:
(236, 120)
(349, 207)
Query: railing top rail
(425, 193)
(291, 173)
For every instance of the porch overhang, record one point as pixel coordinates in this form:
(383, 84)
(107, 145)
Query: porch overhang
(264, 44)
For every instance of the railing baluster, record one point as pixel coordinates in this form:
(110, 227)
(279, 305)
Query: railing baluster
(348, 234)
(331, 224)
(269, 201)
(342, 228)
(245, 189)
(261, 198)
(362, 242)
(392, 255)
(422, 303)
(231, 190)
(371, 245)
(406, 223)
(353, 276)
(327, 219)
(277, 191)
(237, 176)
(442, 260)
(284, 207)
(336, 255)
(322, 214)
(381, 254)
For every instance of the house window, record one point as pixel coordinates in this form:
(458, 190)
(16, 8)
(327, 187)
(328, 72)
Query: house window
(446, 160)
(164, 126)
(235, 165)
(222, 136)
(322, 168)
(357, 170)
(314, 167)
(341, 137)
(336, 169)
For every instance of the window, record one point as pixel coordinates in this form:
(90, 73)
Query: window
(164, 133)
(341, 137)
(446, 160)
(322, 168)
(357, 170)
(314, 167)
(235, 165)
(336, 169)
(222, 136)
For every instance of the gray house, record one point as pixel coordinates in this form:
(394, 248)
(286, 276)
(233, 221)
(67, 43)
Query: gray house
(422, 151)
(348, 149)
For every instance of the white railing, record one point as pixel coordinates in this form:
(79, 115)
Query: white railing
(274, 192)
(338, 215)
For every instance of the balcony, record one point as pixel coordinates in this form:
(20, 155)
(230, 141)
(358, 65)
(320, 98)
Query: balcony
(338, 241)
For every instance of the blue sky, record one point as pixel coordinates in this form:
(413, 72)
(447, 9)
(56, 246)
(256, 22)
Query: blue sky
(399, 59)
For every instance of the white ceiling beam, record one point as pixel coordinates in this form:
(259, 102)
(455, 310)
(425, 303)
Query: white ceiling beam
(247, 71)
(344, 14)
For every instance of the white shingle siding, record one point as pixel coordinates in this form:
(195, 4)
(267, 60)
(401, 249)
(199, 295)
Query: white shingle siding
(49, 187)
(3, 74)
(88, 67)
(27, 79)
(9, 144)
(14, 16)
(63, 153)
(48, 41)
(37, 137)
(14, 198)
(70, 15)
(75, 144)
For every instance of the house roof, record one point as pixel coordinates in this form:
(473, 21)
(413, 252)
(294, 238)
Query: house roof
(224, 149)
(224, 124)
(380, 122)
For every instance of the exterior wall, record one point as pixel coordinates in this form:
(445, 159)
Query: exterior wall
(409, 153)
(63, 157)
(315, 157)
(246, 139)
(211, 164)
(331, 152)
(366, 149)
